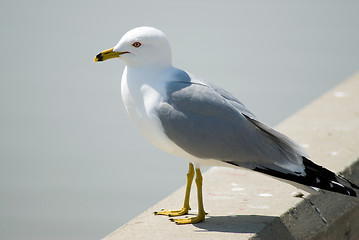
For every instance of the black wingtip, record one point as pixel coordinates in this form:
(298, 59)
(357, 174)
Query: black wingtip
(328, 180)
(316, 176)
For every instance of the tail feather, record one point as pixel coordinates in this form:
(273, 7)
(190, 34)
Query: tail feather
(317, 176)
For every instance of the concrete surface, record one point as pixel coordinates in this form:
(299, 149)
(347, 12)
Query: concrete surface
(247, 205)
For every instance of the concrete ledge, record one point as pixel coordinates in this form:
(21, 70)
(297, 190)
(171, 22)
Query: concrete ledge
(248, 205)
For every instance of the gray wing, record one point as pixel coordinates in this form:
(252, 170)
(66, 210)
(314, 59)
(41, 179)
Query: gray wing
(209, 123)
(232, 100)
(285, 141)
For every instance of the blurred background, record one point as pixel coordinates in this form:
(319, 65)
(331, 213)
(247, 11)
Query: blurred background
(72, 165)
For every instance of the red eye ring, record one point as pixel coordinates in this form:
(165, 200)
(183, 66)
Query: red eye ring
(136, 44)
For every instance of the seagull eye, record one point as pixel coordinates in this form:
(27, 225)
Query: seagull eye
(136, 44)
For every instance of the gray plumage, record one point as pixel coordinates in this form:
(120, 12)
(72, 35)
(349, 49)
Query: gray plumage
(209, 123)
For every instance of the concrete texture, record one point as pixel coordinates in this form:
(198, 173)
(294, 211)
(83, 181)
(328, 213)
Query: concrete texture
(247, 205)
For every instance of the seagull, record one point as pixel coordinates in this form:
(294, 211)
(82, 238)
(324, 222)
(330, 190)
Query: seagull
(192, 118)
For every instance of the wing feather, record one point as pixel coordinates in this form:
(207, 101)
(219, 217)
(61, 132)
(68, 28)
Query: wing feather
(211, 124)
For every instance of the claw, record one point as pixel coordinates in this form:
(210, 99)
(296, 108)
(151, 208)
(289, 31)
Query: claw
(197, 219)
(173, 213)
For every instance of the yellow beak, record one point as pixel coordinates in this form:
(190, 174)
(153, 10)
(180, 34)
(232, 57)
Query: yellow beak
(107, 54)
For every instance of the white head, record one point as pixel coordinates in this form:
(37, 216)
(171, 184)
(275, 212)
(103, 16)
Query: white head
(139, 47)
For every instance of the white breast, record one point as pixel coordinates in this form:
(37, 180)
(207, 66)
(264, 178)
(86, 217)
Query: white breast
(142, 93)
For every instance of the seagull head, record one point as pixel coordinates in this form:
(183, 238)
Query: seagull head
(140, 47)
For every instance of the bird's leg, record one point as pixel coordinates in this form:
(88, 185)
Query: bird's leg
(185, 207)
(201, 213)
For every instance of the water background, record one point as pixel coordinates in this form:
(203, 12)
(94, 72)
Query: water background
(72, 165)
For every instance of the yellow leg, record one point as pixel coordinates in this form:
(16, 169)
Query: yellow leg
(185, 207)
(201, 213)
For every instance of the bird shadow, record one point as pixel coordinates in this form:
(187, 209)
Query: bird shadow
(236, 223)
